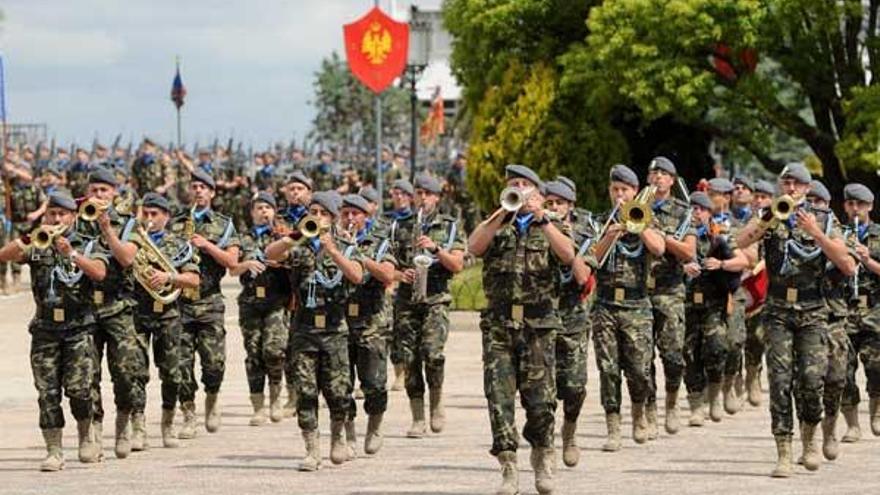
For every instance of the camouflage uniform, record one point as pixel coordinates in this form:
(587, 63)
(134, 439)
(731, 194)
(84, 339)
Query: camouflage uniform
(736, 322)
(754, 345)
(460, 204)
(26, 198)
(423, 327)
(864, 325)
(320, 340)
(148, 174)
(667, 292)
(322, 178)
(400, 226)
(262, 314)
(367, 345)
(233, 202)
(202, 310)
(114, 324)
(160, 323)
(78, 178)
(834, 285)
(796, 319)
(519, 326)
(291, 215)
(622, 324)
(62, 351)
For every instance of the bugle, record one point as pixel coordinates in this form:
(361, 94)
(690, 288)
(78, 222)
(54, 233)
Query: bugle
(43, 236)
(92, 208)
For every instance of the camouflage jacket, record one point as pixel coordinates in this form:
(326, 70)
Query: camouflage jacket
(671, 218)
(218, 229)
(622, 280)
(583, 235)
(26, 198)
(710, 288)
(445, 231)
(63, 294)
(869, 282)
(272, 287)
(323, 180)
(78, 178)
(173, 247)
(115, 292)
(147, 173)
(368, 299)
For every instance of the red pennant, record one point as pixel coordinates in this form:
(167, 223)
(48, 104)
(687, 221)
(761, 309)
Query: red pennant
(376, 47)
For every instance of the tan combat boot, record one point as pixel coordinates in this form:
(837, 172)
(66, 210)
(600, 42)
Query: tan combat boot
(783, 462)
(731, 400)
(640, 425)
(259, 417)
(290, 405)
(713, 396)
(276, 412)
(874, 414)
(509, 474)
(672, 423)
(169, 434)
(139, 432)
(351, 439)
(812, 460)
(188, 430)
(338, 448)
(739, 386)
(54, 460)
(853, 430)
(651, 420)
(212, 412)
(88, 449)
(438, 412)
(830, 446)
(418, 429)
(612, 422)
(543, 461)
(98, 438)
(123, 434)
(312, 460)
(399, 378)
(698, 412)
(374, 439)
(753, 385)
(571, 453)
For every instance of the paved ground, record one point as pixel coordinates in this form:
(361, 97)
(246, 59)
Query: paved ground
(732, 457)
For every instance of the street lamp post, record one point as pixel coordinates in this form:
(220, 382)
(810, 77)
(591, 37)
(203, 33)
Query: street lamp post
(417, 59)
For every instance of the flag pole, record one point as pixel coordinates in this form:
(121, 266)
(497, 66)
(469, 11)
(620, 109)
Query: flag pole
(7, 181)
(177, 63)
(380, 178)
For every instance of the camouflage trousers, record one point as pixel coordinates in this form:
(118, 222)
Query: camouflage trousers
(265, 335)
(368, 361)
(736, 336)
(669, 329)
(18, 229)
(203, 333)
(165, 336)
(705, 345)
(518, 357)
(863, 328)
(62, 365)
(839, 349)
(321, 365)
(754, 346)
(125, 361)
(797, 362)
(623, 341)
(571, 361)
(422, 333)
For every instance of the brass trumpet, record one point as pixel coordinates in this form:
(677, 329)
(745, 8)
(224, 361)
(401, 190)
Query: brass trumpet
(310, 226)
(783, 207)
(513, 198)
(92, 208)
(637, 213)
(43, 236)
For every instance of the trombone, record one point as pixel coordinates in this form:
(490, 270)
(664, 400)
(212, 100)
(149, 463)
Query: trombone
(636, 215)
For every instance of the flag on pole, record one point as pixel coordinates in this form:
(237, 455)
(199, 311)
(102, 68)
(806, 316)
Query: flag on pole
(2, 89)
(178, 91)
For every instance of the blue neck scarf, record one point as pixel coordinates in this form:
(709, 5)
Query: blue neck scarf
(157, 236)
(324, 168)
(863, 231)
(400, 214)
(200, 215)
(267, 170)
(315, 244)
(658, 204)
(149, 159)
(702, 231)
(294, 212)
(260, 230)
(522, 223)
(369, 225)
(742, 213)
(207, 167)
(721, 217)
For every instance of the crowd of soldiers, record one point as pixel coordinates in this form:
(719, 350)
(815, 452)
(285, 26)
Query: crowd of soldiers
(332, 288)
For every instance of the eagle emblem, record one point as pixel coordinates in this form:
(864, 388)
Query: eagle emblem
(376, 44)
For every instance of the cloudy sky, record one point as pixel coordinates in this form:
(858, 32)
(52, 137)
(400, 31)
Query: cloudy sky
(106, 66)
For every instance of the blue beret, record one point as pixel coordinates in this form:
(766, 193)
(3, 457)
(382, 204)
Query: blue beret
(370, 194)
(62, 199)
(819, 190)
(560, 189)
(524, 172)
(745, 181)
(797, 171)
(720, 185)
(154, 200)
(327, 201)
(622, 173)
(264, 197)
(700, 198)
(766, 187)
(356, 201)
(429, 183)
(300, 177)
(404, 186)
(199, 175)
(858, 192)
(664, 164)
(103, 175)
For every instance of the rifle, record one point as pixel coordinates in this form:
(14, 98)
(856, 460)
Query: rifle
(52, 148)
(229, 147)
(116, 143)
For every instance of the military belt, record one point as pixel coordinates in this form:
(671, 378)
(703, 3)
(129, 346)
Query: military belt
(791, 294)
(518, 312)
(322, 318)
(620, 294)
(866, 299)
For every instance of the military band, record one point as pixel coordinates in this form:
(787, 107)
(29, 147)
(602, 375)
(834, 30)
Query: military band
(332, 289)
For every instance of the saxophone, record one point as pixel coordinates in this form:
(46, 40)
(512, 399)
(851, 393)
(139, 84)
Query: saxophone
(421, 263)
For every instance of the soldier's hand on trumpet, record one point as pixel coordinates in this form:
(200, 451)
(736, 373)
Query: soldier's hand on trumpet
(199, 241)
(158, 279)
(104, 222)
(807, 222)
(62, 245)
(254, 267)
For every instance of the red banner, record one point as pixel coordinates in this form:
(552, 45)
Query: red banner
(376, 47)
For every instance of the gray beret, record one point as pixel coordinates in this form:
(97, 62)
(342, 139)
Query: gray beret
(622, 173)
(62, 199)
(327, 201)
(512, 171)
(429, 183)
(404, 186)
(721, 185)
(766, 187)
(558, 188)
(264, 197)
(858, 192)
(337, 197)
(568, 182)
(103, 175)
(205, 151)
(745, 181)
(819, 190)
(797, 171)
(356, 201)
(370, 194)
(300, 177)
(700, 198)
(199, 175)
(154, 200)
(664, 164)
(54, 170)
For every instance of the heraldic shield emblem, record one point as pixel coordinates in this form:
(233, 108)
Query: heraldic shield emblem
(376, 47)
